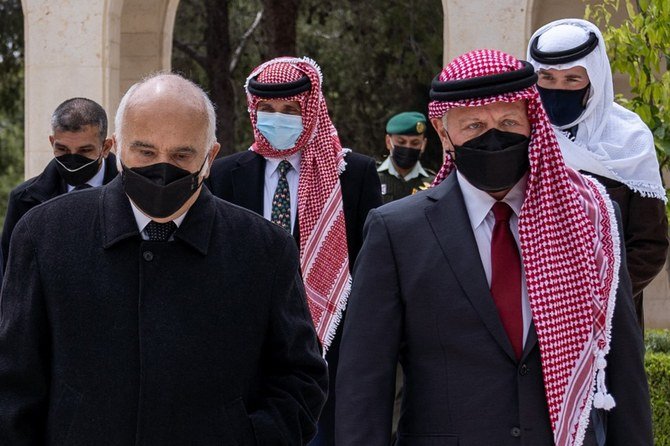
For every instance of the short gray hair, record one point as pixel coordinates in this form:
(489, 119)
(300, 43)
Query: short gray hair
(123, 105)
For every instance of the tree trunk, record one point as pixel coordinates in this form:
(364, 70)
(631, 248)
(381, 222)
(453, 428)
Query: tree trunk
(279, 27)
(217, 61)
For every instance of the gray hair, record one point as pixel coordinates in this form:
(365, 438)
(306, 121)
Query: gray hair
(76, 113)
(123, 105)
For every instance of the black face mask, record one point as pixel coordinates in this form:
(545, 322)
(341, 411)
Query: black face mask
(493, 161)
(405, 157)
(563, 106)
(159, 190)
(76, 169)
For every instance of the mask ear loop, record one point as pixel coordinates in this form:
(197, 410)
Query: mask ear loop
(202, 167)
(97, 160)
(453, 146)
(587, 94)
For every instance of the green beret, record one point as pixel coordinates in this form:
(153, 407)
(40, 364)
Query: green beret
(407, 123)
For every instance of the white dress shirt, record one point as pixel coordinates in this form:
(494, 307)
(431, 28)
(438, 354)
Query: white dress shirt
(96, 180)
(142, 220)
(479, 205)
(271, 180)
(416, 171)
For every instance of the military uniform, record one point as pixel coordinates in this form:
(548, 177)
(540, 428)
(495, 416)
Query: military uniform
(394, 186)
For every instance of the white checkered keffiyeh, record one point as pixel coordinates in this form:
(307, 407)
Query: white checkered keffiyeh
(570, 249)
(324, 257)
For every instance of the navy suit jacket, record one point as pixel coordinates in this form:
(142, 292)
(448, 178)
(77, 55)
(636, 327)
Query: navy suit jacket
(420, 296)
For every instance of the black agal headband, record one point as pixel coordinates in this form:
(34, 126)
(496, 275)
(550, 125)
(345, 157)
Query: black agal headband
(565, 56)
(483, 86)
(283, 90)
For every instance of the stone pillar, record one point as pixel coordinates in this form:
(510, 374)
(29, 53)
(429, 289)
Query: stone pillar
(68, 54)
(146, 39)
(94, 49)
(502, 25)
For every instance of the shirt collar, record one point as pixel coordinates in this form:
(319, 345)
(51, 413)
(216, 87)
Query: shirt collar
(96, 180)
(479, 203)
(271, 164)
(416, 171)
(142, 220)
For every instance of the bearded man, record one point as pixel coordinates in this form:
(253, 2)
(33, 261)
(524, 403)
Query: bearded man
(523, 331)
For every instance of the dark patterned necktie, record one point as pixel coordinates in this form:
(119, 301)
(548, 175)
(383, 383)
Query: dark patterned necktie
(281, 201)
(160, 232)
(506, 276)
(82, 186)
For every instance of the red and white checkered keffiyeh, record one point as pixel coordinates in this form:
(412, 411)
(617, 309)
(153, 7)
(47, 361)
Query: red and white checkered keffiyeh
(324, 258)
(570, 249)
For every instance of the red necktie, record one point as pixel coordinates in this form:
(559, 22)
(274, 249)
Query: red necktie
(506, 276)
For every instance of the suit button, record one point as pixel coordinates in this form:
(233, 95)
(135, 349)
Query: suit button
(148, 256)
(515, 432)
(523, 370)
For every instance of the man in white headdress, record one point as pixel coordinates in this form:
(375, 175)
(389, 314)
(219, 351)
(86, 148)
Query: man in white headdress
(603, 139)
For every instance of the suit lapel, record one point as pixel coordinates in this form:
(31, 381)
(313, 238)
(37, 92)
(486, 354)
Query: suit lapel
(449, 220)
(248, 182)
(531, 340)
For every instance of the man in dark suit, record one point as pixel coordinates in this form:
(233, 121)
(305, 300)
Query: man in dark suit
(298, 175)
(82, 159)
(189, 325)
(502, 291)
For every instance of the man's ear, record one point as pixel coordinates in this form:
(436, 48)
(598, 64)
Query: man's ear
(115, 143)
(389, 143)
(211, 157)
(107, 147)
(438, 125)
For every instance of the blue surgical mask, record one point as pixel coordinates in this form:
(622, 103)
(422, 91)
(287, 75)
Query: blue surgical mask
(281, 130)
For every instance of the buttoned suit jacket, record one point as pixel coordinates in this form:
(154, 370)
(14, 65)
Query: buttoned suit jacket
(420, 295)
(108, 339)
(240, 179)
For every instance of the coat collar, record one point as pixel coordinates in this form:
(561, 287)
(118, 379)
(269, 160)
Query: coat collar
(46, 185)
(118, 223)
(50, 184)
(248, 180)
(450, 223)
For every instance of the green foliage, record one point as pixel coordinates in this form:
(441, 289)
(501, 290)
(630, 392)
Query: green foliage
(640, 48)
(658, 374)
(11, 55)
(657, 341)
(11, 99)
(378, 58)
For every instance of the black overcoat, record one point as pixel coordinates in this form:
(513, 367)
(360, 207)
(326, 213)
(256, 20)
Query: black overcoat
(107, 339)
(37, 190)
